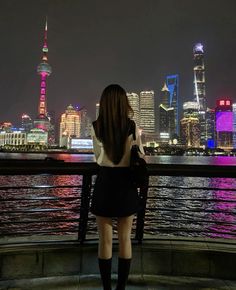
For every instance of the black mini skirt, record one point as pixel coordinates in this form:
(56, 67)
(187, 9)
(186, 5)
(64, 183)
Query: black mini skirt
(114, 194)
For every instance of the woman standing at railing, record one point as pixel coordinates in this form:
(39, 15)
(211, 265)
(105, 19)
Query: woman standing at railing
(115, 195)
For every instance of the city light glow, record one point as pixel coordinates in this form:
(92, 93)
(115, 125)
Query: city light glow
(224, 121)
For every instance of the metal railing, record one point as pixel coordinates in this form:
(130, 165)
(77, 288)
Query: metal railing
(82, 193)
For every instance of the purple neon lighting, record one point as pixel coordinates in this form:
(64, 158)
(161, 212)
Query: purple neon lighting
(224, 121)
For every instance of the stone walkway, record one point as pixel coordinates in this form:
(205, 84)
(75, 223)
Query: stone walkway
(147, 282)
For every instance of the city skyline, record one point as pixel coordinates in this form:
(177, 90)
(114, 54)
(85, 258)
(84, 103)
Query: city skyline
(90, 47)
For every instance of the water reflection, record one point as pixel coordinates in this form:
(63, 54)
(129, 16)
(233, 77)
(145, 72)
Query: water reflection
(206, 209)
(48, 209)
(225, 208)
(200, 211)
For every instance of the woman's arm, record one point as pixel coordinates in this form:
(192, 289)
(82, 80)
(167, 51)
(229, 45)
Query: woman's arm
(96, 144)
(138, 139)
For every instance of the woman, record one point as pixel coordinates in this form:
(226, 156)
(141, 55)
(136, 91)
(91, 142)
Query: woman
(115, 195)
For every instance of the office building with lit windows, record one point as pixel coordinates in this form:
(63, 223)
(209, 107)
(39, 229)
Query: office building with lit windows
(166, 123)
(224, 123)
(85, 123)
(69, 126)
(210, 128)
(190, 132)
(15, 137)
(135, 105)
(147, 112)
(26, 122)
(189, 125)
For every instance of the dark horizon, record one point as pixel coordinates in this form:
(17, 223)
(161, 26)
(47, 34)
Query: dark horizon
(91, 45)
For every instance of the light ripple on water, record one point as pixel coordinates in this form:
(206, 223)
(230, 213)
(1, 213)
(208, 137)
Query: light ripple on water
(170, 211)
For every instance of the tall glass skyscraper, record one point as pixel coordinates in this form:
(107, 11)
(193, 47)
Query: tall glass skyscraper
(199, 89)
(147, 112)
(167, 120)
(172, 82)
(199, 77)
(165, 96)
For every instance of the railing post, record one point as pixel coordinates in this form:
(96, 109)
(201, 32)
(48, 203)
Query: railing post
(141, 213)
(84, 208)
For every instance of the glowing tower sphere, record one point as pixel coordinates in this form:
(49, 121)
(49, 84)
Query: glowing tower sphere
(44, 68)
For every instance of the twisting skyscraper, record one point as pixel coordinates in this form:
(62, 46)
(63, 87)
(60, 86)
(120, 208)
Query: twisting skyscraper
(44, 70)
(199, 76)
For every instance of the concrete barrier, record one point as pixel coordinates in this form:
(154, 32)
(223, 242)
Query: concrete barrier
(177, 257)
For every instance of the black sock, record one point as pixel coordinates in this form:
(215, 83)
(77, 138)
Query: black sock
(105, 271)
(123, 273)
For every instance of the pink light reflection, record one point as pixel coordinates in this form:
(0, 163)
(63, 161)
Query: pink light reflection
(225, 207)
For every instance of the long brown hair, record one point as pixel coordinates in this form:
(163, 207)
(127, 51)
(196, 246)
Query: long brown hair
(112, 124)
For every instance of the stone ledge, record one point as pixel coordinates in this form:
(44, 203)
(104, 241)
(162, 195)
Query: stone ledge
(177, 257)
(135, 282)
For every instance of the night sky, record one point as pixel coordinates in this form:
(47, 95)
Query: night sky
(93, 43)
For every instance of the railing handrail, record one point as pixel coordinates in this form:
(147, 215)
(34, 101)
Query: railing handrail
(88, 169)
(59, 167)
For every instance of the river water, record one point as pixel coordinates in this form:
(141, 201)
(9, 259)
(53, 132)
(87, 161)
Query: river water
(206, 209)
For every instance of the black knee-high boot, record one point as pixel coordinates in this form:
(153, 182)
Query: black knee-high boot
(123, 273)
(105, 271)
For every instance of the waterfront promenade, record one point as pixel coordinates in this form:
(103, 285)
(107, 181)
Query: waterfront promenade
(62, 261)
(178, 263)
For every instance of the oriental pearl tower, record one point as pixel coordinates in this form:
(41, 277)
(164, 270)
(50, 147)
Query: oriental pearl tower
(44, 70)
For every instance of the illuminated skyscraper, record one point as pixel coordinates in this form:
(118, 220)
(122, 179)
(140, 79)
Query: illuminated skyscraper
(52, 127)
(172, 82)
(69, 125)
(85, 123)
(166, 115)
(189, 125)
(165, 96)
(224, 123)
(167, 123)
(26, 122)
(44, 70)
(210, 128)
(199, 89)
(147, 112)
(190, 132)
(199, 77)
(135, 105)
(234, 125)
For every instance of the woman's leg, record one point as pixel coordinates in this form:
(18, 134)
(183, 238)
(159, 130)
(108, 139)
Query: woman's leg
(105, 250)
(104, 225)
(124, 227)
